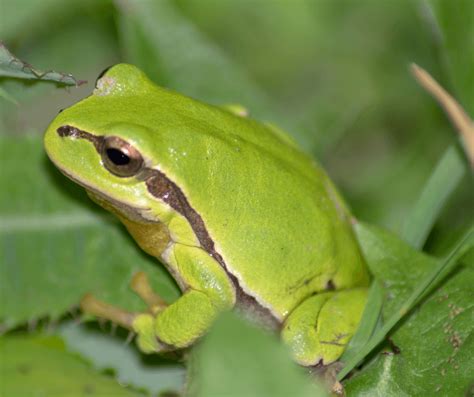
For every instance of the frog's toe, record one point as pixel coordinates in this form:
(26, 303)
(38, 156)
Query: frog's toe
(147, 340)
(140, 284)
(91, 305)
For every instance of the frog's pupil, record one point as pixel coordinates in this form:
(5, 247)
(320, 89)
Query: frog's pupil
(117, 157)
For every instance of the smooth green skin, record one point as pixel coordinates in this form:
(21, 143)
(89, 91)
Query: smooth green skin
(273, 214)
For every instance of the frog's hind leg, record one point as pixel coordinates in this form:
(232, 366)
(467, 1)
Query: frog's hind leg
(318, 330)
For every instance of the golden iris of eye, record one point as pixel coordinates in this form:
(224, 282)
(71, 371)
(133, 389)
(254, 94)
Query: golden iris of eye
(121, 158)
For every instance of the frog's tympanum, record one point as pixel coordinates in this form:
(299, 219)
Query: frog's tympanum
(240, 216)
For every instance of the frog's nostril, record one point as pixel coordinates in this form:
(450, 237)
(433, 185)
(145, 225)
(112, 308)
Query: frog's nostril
(330, 286)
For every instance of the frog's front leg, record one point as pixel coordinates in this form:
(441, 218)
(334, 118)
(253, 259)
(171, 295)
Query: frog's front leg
(318, 330)
(141, 286)
(208, 291)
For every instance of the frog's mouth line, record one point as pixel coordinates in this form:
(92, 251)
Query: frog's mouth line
(164, 189)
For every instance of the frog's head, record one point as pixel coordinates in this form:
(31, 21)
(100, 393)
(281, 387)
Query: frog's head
(110, 141)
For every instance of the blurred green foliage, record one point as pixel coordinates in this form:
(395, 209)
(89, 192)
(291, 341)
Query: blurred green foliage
(333, 73)
(41, 366)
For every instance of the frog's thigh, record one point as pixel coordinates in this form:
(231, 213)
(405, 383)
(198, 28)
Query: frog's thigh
(209, 291)
(322, 325)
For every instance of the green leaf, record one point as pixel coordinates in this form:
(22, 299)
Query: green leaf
(443, 181)
(10, 66)
(394, 263)
(237, 359)
(370, 321)
(435, 339)
(66, 42)
(41, 367)
(55, 245)
(5, 95)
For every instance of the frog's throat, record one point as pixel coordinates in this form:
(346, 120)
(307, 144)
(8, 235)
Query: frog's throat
(167, 191)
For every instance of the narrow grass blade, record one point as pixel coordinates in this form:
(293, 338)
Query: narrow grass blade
(369, 322)
(442, 182)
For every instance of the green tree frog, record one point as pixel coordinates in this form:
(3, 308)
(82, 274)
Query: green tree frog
(240, 217)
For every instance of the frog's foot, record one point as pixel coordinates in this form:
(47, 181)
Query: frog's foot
(318, 330)
(176, 326)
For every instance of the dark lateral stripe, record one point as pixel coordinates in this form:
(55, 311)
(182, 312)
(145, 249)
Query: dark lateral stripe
(166, 190)
(76, 133)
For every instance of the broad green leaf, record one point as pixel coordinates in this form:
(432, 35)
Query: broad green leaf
(435, 339)
(393, 262)
(55, 245)
(32, 366)
(236, 359)
(109, 351)
(423, 287)
(10, 66)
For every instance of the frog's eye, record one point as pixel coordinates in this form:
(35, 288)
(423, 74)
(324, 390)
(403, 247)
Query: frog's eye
(120, 158)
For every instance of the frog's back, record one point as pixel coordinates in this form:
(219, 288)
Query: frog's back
(272, 213)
